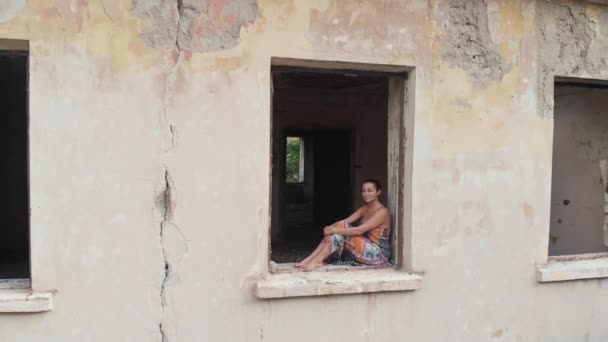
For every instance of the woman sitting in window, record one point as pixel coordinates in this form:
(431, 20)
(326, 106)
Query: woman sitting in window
(368, 243)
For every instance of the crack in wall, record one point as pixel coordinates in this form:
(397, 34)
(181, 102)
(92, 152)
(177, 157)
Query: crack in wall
(171, 238)
(165, 206)
(166, 200)
(164, 203)
(194, 25)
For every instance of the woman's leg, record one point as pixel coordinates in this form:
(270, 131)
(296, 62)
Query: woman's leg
(313, 254)
(365, 251)
(318, 259)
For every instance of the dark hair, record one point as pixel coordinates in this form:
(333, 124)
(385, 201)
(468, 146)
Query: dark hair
(374, 181)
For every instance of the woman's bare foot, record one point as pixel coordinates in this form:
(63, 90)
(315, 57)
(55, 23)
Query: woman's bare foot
(305, 261)
(311, 266)
(314, 254)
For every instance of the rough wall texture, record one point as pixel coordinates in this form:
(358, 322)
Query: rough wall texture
(202, 26)
(162, 18)
(213, 25)
(572, 41)
(121, 130)
(467, 43)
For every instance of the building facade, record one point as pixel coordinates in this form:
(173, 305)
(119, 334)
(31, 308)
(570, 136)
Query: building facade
(155, 161)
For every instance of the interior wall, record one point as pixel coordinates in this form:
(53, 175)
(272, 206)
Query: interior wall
(580, 142)
(297, 201)
(363, 111)
(305, 188)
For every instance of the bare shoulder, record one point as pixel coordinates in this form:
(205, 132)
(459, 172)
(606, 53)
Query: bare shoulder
(384, 211)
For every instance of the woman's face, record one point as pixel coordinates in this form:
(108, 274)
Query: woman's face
(369, 192)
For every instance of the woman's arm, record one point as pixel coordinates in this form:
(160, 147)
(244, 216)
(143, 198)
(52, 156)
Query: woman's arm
(350, 220)
(370, 224)
(354, 216)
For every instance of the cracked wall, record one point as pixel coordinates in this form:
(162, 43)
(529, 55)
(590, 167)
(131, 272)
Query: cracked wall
(149, 145)
(201, 26)
(174, 246)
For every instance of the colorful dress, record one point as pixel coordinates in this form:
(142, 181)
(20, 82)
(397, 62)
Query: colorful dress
(371, 248)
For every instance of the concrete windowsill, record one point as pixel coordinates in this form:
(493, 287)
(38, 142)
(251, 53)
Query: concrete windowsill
(324, 282)
(572, 267)
(17, 297)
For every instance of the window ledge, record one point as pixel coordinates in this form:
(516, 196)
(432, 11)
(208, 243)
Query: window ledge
(16, 296)
(322, 283)
(572, 267)
(20, 300)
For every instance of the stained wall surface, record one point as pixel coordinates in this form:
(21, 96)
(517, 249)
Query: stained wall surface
(150, 162)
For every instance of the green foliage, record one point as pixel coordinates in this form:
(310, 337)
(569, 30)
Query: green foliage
(293, 160)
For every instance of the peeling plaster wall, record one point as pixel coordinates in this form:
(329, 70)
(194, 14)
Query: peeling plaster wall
(467, 43)
(200, 26)
(138, 107)
(573, 40)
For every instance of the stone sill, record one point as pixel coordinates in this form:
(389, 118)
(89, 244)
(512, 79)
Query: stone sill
(17, 297)
(573, 267)
(324, 282)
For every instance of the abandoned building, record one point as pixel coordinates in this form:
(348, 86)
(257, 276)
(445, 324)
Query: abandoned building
(167, 161)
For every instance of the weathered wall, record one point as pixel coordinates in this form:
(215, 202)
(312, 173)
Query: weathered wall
(579, 145)
(150, 140)
(572, 42)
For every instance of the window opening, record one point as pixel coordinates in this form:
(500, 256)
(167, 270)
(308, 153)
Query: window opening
(295, 160)
(14, 244)
(579, 186)
(331, 129)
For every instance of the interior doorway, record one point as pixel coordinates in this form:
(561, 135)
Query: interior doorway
(320, 192)
(332, 186)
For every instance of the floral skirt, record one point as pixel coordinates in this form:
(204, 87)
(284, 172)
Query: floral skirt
(360, 247)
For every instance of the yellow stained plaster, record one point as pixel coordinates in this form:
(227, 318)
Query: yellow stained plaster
(115, 41)
(511, 27)
(284, 30)
(280, 29)
(456, 130)
(593, 10)
(118, 41)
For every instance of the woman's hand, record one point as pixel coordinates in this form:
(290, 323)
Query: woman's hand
(328, 230)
